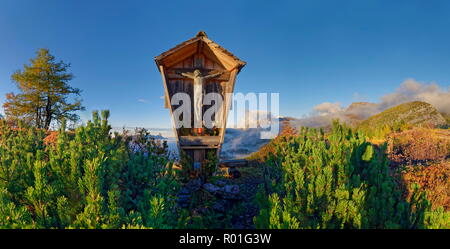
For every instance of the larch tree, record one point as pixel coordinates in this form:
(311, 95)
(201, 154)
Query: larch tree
(45, 94)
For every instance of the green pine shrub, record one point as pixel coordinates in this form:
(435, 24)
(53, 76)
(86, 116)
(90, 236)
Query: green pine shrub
(89, 178)
(337, 180)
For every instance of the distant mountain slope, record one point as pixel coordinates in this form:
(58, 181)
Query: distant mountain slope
(415, 113)
(357, 112)
(447, 117)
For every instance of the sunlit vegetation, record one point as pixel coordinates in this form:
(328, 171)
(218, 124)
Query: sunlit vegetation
(92, 178)
(45, 96)
(88, 178)
(338, 180)
(391, 171)
(401, 118)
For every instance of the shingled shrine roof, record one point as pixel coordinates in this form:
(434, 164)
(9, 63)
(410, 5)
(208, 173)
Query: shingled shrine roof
(201, 37)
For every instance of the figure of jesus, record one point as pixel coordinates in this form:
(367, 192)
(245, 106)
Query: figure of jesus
(199, 79)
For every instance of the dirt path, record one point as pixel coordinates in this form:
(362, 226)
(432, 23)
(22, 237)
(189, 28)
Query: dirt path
(223, 202)
(248, 182)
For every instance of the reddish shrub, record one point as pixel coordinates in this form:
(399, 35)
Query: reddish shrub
(434, 179)
(51, 138)
(419, 145)
(265, 150)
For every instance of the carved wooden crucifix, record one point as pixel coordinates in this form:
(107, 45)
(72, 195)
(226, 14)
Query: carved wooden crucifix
(199, 79)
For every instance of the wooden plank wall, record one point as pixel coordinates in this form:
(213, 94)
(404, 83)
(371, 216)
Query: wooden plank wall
(205, 59)
(176, 83)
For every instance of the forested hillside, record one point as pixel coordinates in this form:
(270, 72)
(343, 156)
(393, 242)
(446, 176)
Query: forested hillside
(408, 114)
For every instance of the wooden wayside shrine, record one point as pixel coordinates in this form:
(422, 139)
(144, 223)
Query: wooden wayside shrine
(179, 67)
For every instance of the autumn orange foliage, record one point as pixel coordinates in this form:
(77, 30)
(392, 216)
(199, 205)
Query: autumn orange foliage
(434, 179)
(421, 155)
(419, 145)
(269, 148)
(51, 138)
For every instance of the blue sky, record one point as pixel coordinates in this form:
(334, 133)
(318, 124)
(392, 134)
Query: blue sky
(308, 51)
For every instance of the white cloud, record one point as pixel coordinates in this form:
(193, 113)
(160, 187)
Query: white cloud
(411, 90)
(145, 101)
(328, 108)
(253, 119)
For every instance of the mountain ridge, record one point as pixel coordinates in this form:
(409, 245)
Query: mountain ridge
(416, 113)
